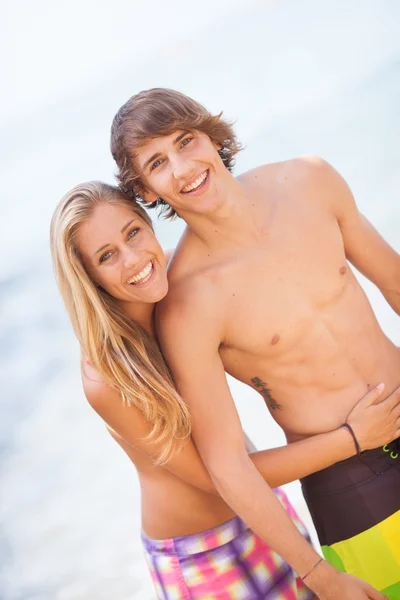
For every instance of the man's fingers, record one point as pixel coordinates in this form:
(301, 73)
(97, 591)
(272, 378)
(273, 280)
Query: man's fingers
(373, 594)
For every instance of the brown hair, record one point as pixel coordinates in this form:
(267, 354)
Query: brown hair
(124, 354)
(160, 112)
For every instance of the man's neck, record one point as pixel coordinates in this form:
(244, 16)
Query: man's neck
(232, 223)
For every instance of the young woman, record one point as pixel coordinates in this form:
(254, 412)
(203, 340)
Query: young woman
(111, 271)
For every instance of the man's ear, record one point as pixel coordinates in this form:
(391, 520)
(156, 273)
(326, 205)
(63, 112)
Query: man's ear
(148, 195)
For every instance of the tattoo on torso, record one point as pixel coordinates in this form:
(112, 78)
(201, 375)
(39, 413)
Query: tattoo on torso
(265, 392)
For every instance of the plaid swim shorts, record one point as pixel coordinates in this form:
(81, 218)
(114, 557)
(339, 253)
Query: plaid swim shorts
(229, 562)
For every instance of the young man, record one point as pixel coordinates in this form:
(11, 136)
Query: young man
(260, 287)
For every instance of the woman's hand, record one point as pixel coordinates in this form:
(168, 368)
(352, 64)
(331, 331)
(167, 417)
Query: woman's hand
(376, 422)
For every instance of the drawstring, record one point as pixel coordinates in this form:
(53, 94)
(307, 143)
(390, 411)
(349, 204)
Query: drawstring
(393, 448)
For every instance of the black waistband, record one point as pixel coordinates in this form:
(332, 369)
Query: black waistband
(355, 494)
(354, 470)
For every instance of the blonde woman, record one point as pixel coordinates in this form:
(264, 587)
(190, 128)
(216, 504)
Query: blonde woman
(111, 271)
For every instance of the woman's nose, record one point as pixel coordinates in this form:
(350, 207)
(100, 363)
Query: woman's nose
(131, 257)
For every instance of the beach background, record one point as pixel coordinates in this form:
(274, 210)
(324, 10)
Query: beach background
(299, 77)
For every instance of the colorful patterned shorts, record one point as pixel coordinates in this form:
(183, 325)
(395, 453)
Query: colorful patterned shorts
(228, 562)
(355, 506)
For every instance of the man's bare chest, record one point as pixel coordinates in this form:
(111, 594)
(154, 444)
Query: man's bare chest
(276, 289)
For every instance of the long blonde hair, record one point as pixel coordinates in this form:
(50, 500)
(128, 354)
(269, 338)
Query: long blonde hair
(125, 355)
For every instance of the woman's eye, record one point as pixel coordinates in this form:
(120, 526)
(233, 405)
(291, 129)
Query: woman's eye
(155, 164)
(186, 141)
(105, 256)
(133, 232)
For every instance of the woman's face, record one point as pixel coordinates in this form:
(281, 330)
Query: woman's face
(122, 255)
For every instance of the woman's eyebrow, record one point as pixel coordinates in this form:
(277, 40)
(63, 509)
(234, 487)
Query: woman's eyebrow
(125, 227)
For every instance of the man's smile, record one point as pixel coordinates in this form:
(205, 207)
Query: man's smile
(196, 184)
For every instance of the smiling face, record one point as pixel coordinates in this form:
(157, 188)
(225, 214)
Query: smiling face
(122, 255)
(184, 169)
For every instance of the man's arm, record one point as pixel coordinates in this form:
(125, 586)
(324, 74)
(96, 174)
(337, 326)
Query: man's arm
(364, 246)
(190, 332)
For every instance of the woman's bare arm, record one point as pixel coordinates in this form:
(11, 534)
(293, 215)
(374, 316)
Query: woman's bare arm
(277, 465)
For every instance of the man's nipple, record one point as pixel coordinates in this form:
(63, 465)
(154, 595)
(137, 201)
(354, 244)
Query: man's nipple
(275, 339)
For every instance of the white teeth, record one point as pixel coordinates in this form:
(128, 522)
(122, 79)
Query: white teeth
(144, 275)
(195, 184)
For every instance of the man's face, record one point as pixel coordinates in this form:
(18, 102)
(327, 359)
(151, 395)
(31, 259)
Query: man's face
(184, 169)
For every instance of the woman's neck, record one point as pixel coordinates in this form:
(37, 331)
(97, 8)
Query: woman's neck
(143, 314)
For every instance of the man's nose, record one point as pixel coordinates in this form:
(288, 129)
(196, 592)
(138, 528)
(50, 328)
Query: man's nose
(181, 167)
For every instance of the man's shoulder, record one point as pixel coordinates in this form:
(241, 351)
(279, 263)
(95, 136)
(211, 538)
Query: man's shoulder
(193, 271)
(194, 302)
(306, 180)
(298, 168)
(190, 290)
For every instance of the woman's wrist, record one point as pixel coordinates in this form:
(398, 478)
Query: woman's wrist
(349, 428)
(345, 443)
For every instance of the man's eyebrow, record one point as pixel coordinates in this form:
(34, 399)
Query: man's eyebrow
(125, 227)
(157, 154)
(146, 164)
(180, 136)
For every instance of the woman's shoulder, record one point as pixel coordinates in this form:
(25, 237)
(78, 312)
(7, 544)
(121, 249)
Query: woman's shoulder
(95, 387)
(105, 399)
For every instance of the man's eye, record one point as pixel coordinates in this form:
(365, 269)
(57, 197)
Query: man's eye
(105, 256)
(186, 141)
(133, 232)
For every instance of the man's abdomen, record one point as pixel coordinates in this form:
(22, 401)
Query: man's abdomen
(320, 368)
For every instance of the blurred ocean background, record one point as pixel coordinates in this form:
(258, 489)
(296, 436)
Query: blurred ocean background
(300, 76)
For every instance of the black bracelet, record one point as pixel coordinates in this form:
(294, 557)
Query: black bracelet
(353, 435)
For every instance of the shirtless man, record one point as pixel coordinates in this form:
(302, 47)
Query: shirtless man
(260, 287)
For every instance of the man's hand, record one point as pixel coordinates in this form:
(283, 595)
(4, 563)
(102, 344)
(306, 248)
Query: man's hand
(348, 587)
(376, 422)
(330, 584)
